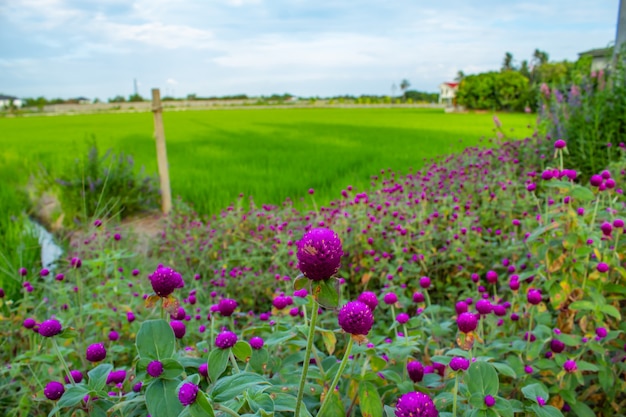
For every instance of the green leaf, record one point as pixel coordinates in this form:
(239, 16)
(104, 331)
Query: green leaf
(98, 376)
(287, 403)
(326, 293)
(582, 193)
(371, 404)
(482, 378)
(389, 411)
(611, 311)
(335, 406)
(155, 340)
(535, 390)
(242, 350)
(503, 407)
(586, 366)
(330, 340)
(504, 369)
(261, 401)
(229, 387)
(73, 395)
(162, 398)
(582, 305)
(582, 410)
(569, 340)
(300, 282)
(201, 407)
(171, 369)
(259, 360)
(218, 360)
(546, 411)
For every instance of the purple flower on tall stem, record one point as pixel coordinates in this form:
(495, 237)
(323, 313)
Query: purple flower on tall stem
(467, 322)
(570, 366)
(533, 296)
(415, 370)
(188, 393)
(319, 254)
(50, 328)
(355, 318)
(256, 343)
(53, 390)
(390, 298)
(602, 267)
(416, 404)
(226, 339)
(459, 364)
(179, 328)
(227, 306)
(165, 280)
(96, 352)
(369, 299)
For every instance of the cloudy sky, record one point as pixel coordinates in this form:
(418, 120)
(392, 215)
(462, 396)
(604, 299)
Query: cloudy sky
(69, 48)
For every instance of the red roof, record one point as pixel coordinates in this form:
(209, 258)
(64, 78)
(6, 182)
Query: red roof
(452, 84)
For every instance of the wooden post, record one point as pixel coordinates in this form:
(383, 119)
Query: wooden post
(159, 135)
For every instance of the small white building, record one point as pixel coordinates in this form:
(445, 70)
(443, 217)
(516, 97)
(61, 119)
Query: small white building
(447, 94)
(601, 58)
(8, 101)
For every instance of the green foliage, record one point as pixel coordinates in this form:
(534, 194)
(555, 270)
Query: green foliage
(103, 186)
(493, 91)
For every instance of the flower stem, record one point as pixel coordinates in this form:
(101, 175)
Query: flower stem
(530, 326)
(342, 366)
(62, 359)
(233, 361)
(456, 391)
(307, 358)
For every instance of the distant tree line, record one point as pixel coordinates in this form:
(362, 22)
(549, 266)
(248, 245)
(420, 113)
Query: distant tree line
(516, 87)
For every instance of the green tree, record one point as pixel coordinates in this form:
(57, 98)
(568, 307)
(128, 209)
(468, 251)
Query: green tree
(404, 85)
(507, 62)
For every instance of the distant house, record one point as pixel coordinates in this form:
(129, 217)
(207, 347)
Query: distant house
(8, 101)
(78, 100)
(601, 58)
(447, 93)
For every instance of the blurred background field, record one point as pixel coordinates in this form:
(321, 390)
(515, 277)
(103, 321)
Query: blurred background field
(270, 154)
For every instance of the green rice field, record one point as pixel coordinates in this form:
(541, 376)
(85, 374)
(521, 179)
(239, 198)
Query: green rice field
(268, 153)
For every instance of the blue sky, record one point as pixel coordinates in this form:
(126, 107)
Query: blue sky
(69, 48)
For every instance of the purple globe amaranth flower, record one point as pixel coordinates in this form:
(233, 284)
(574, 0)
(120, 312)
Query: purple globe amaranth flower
(179, 328)
(96, 352)
(256, 343)
(416, 404)
(533, 296)
(606, 228)
(355, 318)
(116, 377)
(113, 336)
(227, 306)
(541, 401)
(595, 180)
(53, 390)
(415, 370)
(425, 282)
(559, 144)
(23, 272)
(188, 393)
(618, 223)
(390, 298)
(29, 323)
(402, 318)
(76, 262)
(461, 307)
(319, 254)
(226, 339)
(458, 363)
(165, 280)
(137, 386)
(418, 297)
(203, 369)
(369, 299)
(490, 401)
(601, 332)
(492, 277)
(557, 346)
(467, 322)
(280, 302)
(602, 267)
(155, 369)
(484, 306)
(570, 366)
(50, 328)
(77, 376)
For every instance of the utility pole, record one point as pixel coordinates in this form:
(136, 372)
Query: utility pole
(620, 37)
(135, 85)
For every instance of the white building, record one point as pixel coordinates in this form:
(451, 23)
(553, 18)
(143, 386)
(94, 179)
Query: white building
(7, 101)
(601, 58)
(447, 93)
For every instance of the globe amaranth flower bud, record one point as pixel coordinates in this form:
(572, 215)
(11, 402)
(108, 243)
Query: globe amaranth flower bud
(29, 323)
(116, 377)
(165, 280)
(77, 376)
(559, 144)
(425, 282)
(50, 328)
(557, 346)
(96, 352)
(179, 328)
(492, 277)
(256, 343)
(467, 322)
(319, 254)
(490, 401)
(533, 296)
(484, 306)
(355, 318)
(225, 340)
(390, 298)
(53, 390)
(458, 363)
(416, 404)
(415, 370)
(369, 299)
(188, 393)
(227, 306)
(402, 318)
(570, 366)
(155, 369)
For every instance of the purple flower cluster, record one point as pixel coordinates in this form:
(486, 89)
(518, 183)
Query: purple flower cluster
(165, 280)
(319, 254)
(416, 404)
(356, 318)
(226, 339)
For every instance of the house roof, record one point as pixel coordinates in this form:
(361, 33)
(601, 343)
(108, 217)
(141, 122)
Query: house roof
(453, 85)
(4, 97)
(598, 52)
